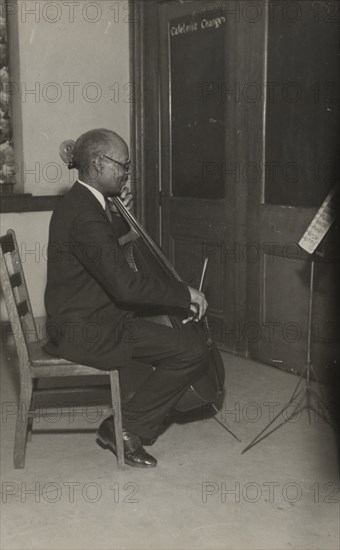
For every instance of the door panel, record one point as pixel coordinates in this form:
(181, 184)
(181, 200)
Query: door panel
(196, 67)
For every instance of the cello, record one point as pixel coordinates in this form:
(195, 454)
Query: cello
(142, 253)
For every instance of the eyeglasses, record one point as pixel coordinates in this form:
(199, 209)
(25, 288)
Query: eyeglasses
(125, 166)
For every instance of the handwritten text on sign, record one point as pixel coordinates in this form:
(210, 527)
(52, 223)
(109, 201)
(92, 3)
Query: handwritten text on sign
(184, 28)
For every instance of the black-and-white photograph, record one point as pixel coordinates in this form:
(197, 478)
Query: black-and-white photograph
(169, 242)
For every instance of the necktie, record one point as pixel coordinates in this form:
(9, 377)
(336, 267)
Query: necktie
(108, 211)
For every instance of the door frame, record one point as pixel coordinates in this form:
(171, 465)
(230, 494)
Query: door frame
(144, 75)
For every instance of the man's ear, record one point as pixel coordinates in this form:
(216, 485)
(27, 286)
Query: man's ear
(97, 163)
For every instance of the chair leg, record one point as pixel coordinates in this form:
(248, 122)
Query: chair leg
(32, 408)
(117, 415)
(21, 426)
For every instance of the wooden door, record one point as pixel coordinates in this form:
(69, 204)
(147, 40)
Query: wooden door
(198, 191)
(240, 162)
(295, 166)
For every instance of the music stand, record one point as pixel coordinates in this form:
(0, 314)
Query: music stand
(310, 241)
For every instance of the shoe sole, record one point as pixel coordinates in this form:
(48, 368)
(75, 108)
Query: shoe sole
(109, 447)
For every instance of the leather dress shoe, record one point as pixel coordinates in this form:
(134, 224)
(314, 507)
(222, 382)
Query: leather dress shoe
(134, 453)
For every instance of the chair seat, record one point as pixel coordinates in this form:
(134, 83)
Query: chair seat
(39, 357)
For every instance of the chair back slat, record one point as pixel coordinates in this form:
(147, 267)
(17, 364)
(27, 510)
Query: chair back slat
(22, 309)
(16, 280)
(14, 319)
(7, 243)
(15, 290)
(27, 321)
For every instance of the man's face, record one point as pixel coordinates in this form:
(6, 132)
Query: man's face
(113, 175)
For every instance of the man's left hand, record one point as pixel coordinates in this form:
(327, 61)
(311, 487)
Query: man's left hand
(127, 198)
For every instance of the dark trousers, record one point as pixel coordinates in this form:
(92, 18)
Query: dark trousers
(179, 357)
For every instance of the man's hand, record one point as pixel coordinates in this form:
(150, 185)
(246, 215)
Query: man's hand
(127, 198)
(198, 303)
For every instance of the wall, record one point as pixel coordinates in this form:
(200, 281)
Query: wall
(69, 67)
(31, 229)
(58, 61)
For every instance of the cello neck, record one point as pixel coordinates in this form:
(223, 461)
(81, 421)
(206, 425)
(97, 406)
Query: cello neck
(155, 250)
(152, 246)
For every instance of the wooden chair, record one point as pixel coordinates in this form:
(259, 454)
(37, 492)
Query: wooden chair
(34, 363)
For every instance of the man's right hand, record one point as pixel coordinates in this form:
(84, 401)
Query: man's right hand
(198, 303)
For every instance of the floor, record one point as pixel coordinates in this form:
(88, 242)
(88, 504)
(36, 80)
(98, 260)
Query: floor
(204, 494)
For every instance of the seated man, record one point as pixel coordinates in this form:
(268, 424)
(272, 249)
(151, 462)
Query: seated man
(91, 294)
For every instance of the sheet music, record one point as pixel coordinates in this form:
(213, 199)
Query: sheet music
(321, 222)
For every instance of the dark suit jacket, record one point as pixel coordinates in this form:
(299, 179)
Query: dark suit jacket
(91, 288)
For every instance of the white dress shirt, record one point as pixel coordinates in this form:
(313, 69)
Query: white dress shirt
(99, 196)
